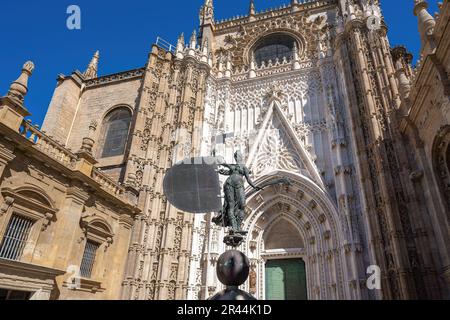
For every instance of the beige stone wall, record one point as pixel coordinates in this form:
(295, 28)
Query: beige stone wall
(96, 102)
(77, 102)
(62, 109)
(67, 208)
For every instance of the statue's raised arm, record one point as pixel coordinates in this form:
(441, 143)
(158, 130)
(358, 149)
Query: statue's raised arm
(249, 180)
(233, 210)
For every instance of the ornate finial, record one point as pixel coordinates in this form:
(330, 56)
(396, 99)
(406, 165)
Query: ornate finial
(87, 145)
(19, 88)
(93, 126)
(401, 58)
(180, 46)
(193, 41)
(420, 4)
(181, 39)
(29, 66)
(92, 69)
(426, 21)
(88, 142)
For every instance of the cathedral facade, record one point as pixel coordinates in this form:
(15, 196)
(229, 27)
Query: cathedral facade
(311, 91)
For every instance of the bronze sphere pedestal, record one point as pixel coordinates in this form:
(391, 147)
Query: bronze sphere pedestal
(233, 268)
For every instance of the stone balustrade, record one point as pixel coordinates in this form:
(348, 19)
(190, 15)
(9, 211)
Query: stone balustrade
(58, 152)
(107, 183)
(47, 145)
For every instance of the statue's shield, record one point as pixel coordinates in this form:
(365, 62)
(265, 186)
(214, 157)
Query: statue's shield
(193, 185)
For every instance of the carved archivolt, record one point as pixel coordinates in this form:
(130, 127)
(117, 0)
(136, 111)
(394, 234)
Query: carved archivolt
(316, 220)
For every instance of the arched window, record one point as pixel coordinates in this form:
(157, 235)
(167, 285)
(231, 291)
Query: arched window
(273, 47)
(24, 214)
(116, 127)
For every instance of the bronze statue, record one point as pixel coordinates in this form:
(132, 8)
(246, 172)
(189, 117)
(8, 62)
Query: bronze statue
(233, 211)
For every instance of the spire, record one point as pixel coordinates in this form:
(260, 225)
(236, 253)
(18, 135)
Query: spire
(252, 10)
(181, 39)
(426, 21)
(180, 46)
(193, 41)
(207, 13)
(92, 70)
(19, 88)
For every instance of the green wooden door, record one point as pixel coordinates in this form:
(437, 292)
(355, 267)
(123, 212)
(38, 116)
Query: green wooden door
(286, 280)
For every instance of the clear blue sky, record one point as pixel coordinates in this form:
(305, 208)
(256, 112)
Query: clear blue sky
(123, 31)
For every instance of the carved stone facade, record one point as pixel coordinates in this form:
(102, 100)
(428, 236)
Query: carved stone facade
(328, 116)
(363, 136)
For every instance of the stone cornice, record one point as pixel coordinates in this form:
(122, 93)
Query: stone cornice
(115, 78)
(18, 267)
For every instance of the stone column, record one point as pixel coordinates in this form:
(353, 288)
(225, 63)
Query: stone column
(117, 258)
(68, 230)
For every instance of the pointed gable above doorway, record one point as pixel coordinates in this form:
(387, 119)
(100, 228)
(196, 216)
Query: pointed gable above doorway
(277, 147)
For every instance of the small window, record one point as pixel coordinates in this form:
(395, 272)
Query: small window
(273, 47)
(16, 237)
(87, 264)
(116, 129)
(14, 295)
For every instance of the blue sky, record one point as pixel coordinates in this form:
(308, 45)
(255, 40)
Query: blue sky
(123, 31)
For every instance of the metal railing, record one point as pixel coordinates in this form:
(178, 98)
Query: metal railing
(160, 42)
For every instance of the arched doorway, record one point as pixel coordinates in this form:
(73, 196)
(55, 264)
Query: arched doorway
(296, 231)
(285, 279)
